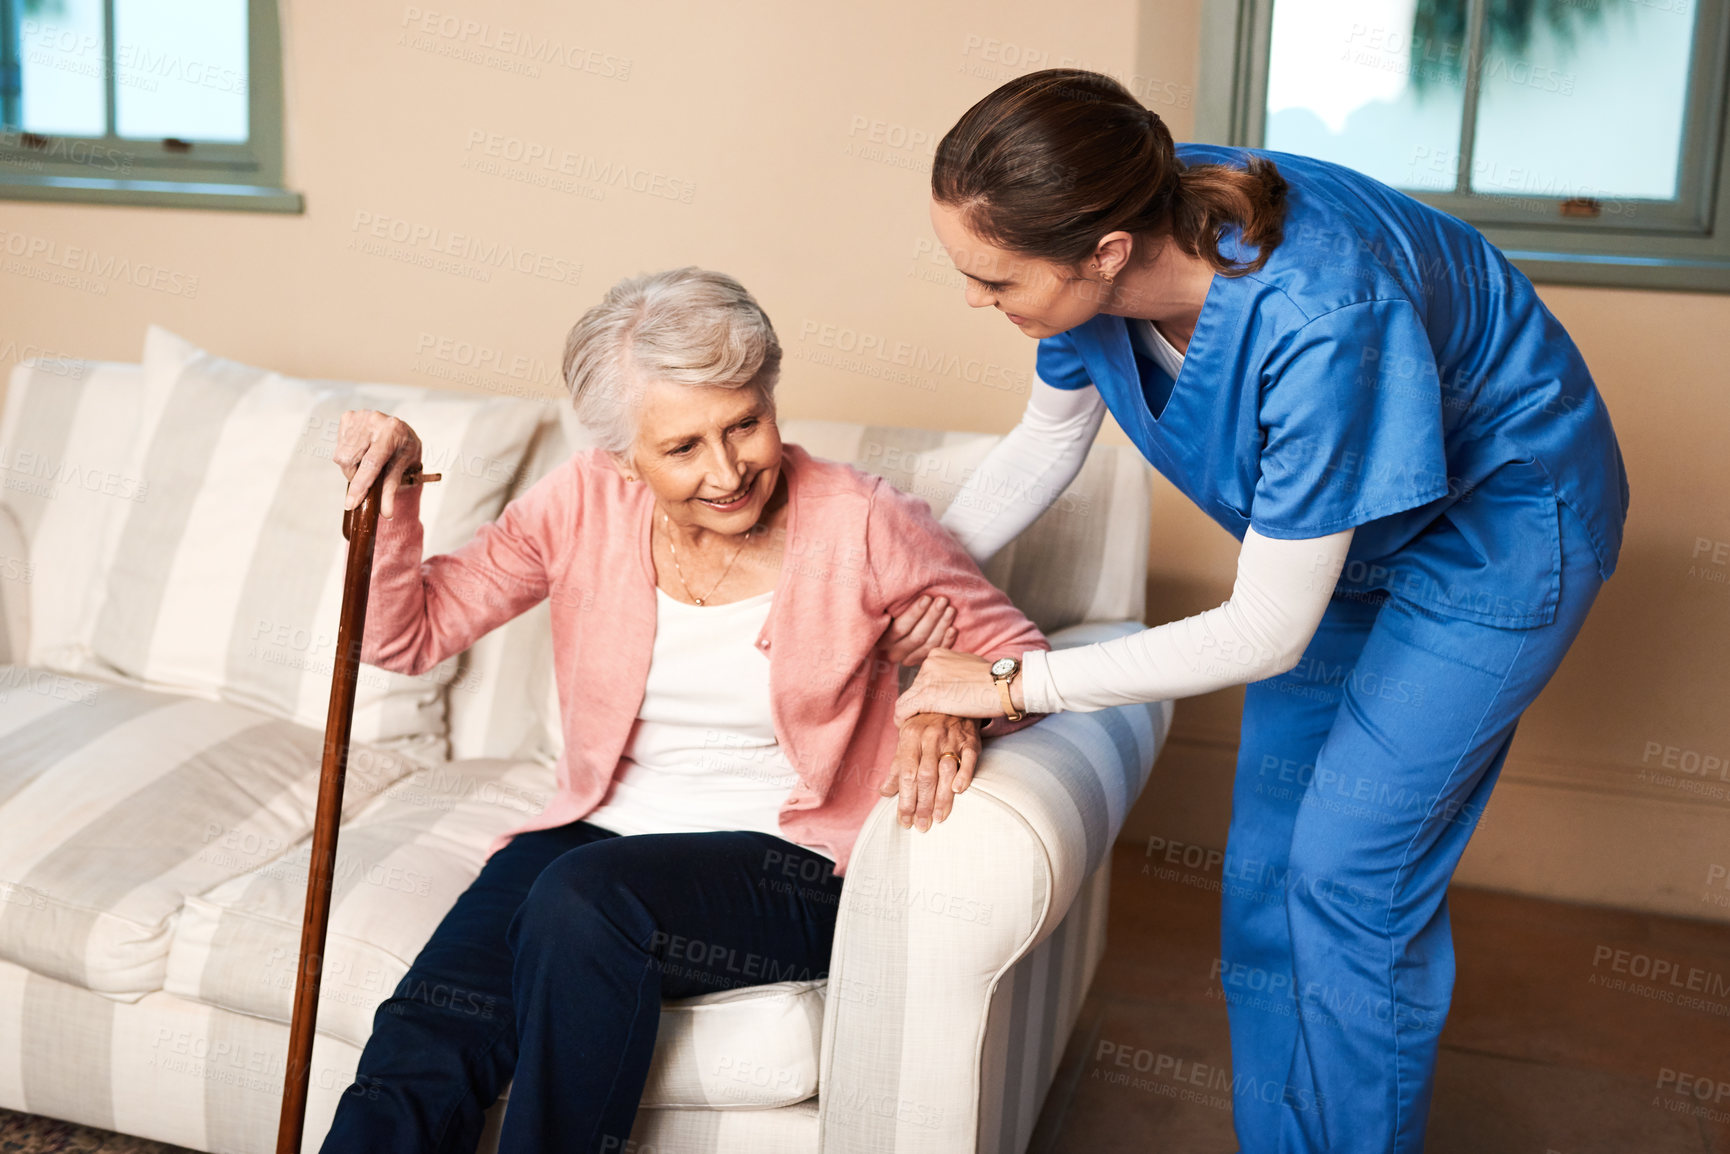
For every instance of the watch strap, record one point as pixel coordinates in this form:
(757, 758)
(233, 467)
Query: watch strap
(1010, 713)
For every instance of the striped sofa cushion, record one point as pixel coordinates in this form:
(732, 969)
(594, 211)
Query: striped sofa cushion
(401, 864)
(117, 802)
(504, 701)
(71, 456)
(227, 581)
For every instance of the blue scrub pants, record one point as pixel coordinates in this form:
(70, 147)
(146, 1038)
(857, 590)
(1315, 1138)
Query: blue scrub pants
(551, 968)
(1361, 774)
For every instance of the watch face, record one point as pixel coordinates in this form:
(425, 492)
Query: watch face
(1002, 667)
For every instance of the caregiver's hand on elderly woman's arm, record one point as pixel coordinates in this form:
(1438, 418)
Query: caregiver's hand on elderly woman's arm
(929, 624)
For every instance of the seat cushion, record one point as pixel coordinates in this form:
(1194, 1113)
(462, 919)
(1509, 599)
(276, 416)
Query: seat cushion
(749, 1048)
(229, 579)
(116, 802)
(401, 864)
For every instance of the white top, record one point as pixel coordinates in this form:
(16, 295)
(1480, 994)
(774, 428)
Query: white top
(702, 755)
(1277, 601)
(1153, 345)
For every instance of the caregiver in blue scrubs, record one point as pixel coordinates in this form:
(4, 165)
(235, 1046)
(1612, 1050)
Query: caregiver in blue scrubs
(1429, 494)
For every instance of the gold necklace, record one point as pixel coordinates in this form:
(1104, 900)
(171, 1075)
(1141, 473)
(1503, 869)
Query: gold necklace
(674, 550)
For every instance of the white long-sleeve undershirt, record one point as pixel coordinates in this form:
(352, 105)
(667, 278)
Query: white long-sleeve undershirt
(1277, 601)
(1027, 470)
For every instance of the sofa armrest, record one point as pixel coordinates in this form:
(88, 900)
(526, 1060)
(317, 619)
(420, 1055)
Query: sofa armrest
(930, 922)
(14, 590)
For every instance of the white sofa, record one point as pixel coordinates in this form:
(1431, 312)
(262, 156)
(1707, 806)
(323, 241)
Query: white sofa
(170, 562)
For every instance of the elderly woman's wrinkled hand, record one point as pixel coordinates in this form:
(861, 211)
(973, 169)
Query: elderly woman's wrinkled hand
(368, 443)
(933, 762)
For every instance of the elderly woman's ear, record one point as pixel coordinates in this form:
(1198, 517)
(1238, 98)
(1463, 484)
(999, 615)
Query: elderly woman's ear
(627, 470)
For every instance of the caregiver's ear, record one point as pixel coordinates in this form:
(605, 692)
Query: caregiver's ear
(1111, 255)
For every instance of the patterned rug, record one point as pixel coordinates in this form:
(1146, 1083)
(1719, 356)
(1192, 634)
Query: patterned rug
(28, 1134)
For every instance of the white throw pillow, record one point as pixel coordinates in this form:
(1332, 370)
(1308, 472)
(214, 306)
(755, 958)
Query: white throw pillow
(227, 579)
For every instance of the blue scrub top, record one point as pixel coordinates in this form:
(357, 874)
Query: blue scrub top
(1387, 369)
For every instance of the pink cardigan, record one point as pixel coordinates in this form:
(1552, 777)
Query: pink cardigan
(858, 551)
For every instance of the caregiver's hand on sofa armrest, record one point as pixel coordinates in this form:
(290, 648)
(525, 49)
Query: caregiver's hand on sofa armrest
(960, 683)
(933, 762)
(369, 442)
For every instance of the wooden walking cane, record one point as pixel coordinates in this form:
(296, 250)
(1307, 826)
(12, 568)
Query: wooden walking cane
(360, 527)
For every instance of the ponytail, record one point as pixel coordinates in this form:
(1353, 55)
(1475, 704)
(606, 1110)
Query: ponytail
(1050, 162)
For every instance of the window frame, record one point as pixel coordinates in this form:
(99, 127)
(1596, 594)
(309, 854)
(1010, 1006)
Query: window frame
(1681, 245)
(194, 174)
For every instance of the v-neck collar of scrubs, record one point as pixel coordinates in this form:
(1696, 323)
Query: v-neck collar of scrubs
(1185, 442)
(1176, 415)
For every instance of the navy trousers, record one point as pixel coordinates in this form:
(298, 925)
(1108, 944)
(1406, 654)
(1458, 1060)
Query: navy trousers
(548, 974)
(1361, 775)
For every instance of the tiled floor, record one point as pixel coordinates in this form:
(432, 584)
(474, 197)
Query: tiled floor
(1555, 1046)
(1562, 1041)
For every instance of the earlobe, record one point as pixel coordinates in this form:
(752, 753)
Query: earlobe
(625, 470)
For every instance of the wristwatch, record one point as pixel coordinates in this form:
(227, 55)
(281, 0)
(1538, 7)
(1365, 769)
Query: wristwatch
(1003, 671)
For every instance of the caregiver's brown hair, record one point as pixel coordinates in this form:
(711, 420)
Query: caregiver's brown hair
(1052, 161)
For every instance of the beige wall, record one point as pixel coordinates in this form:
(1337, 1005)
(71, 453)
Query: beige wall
(790, 147)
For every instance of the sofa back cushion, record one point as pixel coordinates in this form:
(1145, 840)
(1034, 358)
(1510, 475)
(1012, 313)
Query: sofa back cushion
(1084, 559)
(227, 580)
(71, 449)
(504, 701)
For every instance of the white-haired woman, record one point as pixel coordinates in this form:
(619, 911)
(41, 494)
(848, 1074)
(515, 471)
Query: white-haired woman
(720, 604)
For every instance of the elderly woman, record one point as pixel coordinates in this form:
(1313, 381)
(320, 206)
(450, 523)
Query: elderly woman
(721, 607)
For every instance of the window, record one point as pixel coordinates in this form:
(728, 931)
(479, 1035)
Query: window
(173, 102)
(1584, 137)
